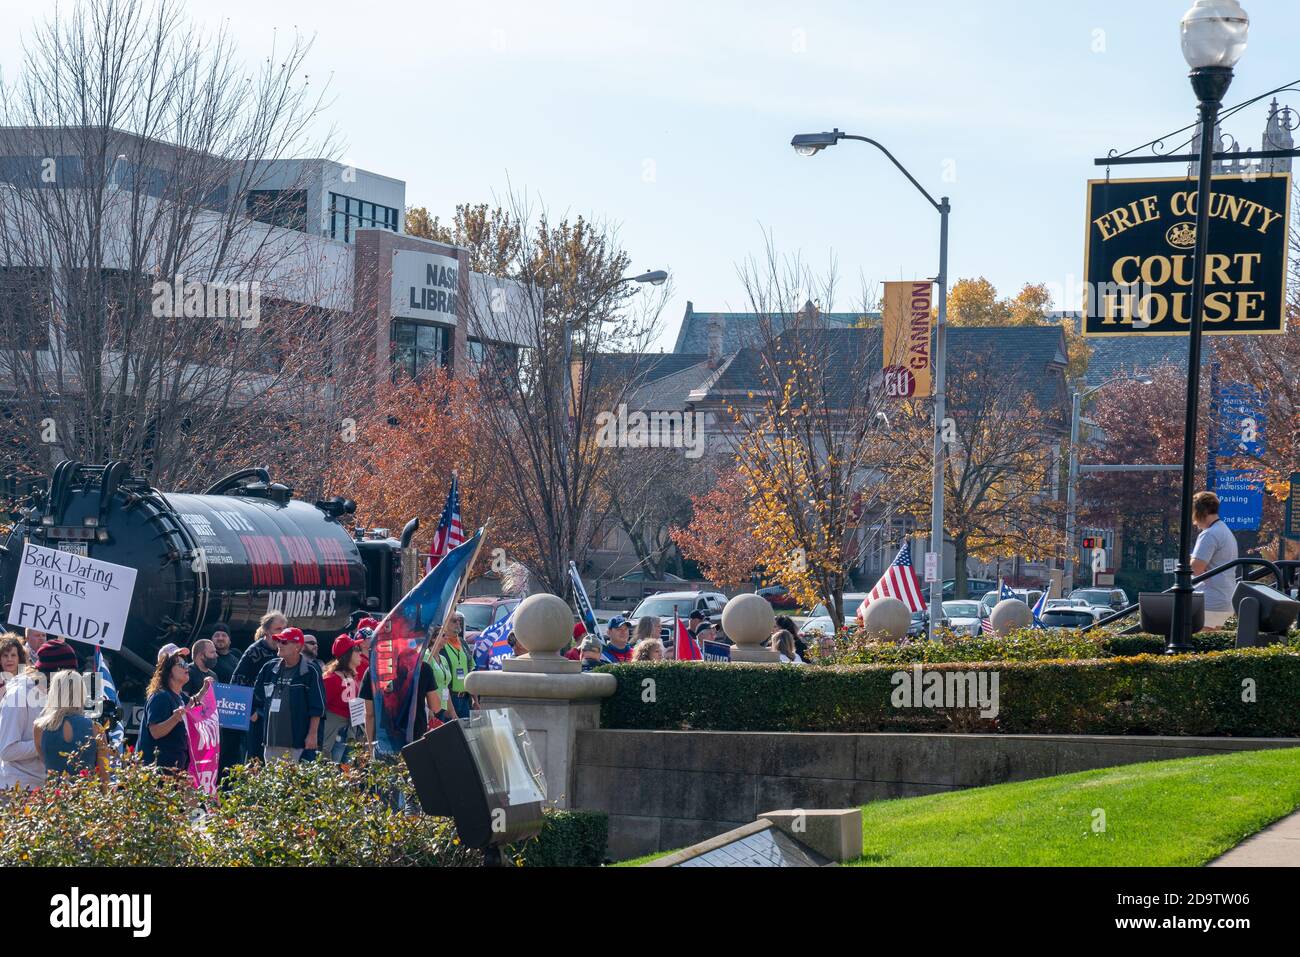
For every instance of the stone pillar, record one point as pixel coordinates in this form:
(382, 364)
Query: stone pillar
(551, 695)
(749, 621)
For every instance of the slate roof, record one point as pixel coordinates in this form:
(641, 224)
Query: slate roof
(1034, 355)
(741, 329)
(1111, 356)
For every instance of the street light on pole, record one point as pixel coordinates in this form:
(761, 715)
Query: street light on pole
(1071, 551)
(810, 144)
(655, 277)
(1213, 40)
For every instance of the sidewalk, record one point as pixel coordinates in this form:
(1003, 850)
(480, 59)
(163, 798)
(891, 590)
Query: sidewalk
(1278, 845)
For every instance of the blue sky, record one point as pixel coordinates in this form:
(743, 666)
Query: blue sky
(672, 119)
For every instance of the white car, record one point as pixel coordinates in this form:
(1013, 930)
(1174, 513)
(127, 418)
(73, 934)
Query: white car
(852, 601)
(964, 616)
(1074, 616)
(665, 603)
(821, 625)
(1029, 596)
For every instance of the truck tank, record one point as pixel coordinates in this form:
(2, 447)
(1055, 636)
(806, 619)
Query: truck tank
(242, 548)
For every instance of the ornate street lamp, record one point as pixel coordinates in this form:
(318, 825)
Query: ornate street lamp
(1214, 38)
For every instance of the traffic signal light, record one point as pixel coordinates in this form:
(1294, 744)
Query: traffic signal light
(1094, 543)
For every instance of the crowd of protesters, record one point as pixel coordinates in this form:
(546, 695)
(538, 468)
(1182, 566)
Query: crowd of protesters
(301, 709)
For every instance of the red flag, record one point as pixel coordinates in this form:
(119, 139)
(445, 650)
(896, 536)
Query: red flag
(687, 648)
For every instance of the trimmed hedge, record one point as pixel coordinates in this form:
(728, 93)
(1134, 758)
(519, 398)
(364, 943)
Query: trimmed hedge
(280, 815)
(1148, 694)
(1029, 644)
(568, 839)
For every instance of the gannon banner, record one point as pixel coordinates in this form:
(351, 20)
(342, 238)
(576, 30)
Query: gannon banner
(1139, 255)
(905, 326)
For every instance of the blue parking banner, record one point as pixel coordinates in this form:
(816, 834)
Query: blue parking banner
(1241, 498)
(1240, 421)
(234, 704)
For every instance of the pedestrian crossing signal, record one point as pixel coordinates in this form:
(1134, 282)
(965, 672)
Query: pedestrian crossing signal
(1094, 543)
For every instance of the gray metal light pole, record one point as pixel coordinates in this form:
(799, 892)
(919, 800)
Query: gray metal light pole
(1213, 39)
(1071, 483)
(809, 144)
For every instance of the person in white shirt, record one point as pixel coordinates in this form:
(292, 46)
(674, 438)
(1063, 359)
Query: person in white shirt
(782, 642)
(1216, 545)
(22, 705)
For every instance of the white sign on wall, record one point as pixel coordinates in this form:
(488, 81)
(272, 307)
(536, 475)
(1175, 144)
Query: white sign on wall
(425, 286)
(65, 594)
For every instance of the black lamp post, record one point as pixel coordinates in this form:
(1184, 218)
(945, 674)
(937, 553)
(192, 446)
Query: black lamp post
(1214, 37)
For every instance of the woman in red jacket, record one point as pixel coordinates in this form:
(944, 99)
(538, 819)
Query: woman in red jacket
(343, 678)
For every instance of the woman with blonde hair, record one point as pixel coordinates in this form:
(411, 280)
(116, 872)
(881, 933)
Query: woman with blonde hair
(68, 741)
(782, 642)
(646, 627)
(648, 649)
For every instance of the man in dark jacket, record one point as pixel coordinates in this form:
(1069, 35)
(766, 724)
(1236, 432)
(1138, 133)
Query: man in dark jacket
(250, 664)
(227, 657)
(289, 701)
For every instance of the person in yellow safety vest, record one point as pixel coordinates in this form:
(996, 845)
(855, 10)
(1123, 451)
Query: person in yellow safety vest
(452, 663)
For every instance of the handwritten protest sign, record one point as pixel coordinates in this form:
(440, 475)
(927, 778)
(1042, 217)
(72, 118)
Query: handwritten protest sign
(61, 593)
(203, 726)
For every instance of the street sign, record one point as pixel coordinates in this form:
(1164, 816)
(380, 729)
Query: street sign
(1291, 527)
(1140, 245)
(1171, 565)
(1241, 498)
(931, 566)
(1239, 425)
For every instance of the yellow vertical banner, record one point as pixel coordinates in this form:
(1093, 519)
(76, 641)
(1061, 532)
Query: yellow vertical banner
(905, 327)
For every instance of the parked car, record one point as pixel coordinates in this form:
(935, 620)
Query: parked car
(778, 597)
(1074, 616)
(821, 625)
(852, 601)
(1029, 596)
(484, 611)
(1112, 598)
(965, 616)
(1066, 603)
(974, 587)
(663, 604)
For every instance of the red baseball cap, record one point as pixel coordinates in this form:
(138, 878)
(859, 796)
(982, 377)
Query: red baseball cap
(343, 644)
(371, 623)
(293, 635)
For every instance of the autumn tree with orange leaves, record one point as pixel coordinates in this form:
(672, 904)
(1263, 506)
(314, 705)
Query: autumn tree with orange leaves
(718, 538)
(405, 448)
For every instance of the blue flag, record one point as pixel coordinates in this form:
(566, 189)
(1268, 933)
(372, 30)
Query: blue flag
(584, 604)
(108, 688)
(493, 643)
(400, 641)
(1040, 606)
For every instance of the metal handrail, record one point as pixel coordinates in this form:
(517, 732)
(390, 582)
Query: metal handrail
(1265, 566)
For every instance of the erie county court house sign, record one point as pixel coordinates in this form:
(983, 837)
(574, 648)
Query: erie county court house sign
(1140, 252)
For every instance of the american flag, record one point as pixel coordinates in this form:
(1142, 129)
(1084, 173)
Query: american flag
(899, 581)
(1004, 591)
(449, 532)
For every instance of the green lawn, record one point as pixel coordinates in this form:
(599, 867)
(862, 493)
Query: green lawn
(1164, 813)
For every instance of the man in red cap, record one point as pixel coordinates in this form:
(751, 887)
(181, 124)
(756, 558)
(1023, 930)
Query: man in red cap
(289, 698)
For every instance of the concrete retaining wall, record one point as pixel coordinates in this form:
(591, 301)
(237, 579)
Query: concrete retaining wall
(664, 790)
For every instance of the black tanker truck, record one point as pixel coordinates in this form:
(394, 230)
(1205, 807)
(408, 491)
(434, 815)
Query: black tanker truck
(244, 547)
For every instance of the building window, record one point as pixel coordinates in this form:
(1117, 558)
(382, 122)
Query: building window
(347, 215)
(286, 208)
(24, 308)
(420, 345)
